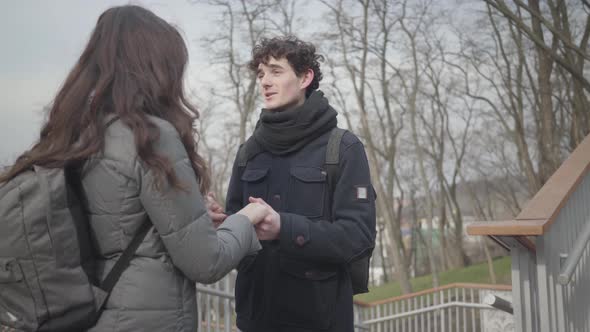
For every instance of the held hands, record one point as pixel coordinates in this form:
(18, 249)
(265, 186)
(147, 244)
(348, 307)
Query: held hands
(256, 212)
(270, 226)
(266, 220)
(214, 210)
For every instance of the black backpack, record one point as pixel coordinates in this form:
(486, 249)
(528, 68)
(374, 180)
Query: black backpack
(358, 268)
(46, 259)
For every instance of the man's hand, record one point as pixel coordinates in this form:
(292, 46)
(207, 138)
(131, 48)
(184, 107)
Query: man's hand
(214, 209)
(270, 227)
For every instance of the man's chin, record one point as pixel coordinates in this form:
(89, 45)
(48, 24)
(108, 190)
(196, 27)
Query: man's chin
(272, 107)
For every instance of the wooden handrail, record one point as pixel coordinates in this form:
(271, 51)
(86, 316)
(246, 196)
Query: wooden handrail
(542, 210)
(434, 290)
(507, 228)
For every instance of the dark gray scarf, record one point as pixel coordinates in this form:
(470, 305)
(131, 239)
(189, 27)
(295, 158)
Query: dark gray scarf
(287, 131)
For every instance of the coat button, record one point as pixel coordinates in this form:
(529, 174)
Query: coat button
(300, 240)
(276, 201)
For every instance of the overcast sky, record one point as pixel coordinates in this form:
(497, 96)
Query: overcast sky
(40, 42)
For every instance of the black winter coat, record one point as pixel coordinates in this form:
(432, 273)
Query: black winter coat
(300, 282)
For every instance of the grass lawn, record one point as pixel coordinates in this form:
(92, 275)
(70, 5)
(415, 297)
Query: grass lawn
(477, 273)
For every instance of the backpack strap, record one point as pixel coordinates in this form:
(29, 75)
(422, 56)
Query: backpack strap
(111, 121)
(358, 268)
(333, 156)
(123, 262)
(332, 162)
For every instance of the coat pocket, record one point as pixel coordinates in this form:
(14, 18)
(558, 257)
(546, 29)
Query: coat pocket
(17, 307)
(305, 295)
(307, 189)
(9, 271)
(255, 183)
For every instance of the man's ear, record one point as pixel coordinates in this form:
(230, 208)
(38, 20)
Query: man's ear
(307, 78)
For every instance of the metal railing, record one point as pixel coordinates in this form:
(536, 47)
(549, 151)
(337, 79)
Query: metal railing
(455, 307)
(216, 306)
(452, 308)
(560, 297)
(573, 259)
(550, 256)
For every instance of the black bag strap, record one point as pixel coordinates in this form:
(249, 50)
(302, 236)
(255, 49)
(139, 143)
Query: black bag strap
(332, 162)
(111, 121)
(123, 262)
(251, 148)
(358, 268)
(333, 148)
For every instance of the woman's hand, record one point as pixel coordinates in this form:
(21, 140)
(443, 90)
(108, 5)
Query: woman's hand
(256, 212)
(214, 209)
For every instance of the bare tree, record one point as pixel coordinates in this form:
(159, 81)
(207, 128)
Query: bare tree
(564, 48)
(558, 28)
(446, 105)
(411, 85)
(437, 109)
(482, 215)
(359, 38)
(242, 24)
(218, 151)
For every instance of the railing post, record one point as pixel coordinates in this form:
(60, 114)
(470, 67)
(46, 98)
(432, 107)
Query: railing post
(543, 287)
(498, 303)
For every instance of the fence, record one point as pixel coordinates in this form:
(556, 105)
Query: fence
(455, 307)
(548, 242)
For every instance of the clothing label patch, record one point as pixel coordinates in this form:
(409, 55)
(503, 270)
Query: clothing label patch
(361, 193)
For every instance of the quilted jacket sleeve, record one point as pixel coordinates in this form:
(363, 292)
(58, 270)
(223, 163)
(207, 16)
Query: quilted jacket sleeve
(201, 252)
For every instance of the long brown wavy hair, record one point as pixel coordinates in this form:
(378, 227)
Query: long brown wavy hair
(133, 66)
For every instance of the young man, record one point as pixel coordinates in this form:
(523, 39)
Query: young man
(300, 280)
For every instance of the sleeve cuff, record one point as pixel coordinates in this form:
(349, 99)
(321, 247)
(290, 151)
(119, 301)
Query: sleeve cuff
(295, 233)
(238, 221)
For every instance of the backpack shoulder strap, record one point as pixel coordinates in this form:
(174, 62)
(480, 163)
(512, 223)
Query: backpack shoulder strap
(332, 164)
(74, 181)
(123, 262)
(249, 149)
(359, 268)
(333, 156)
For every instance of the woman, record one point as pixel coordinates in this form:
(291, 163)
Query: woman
(122, 114)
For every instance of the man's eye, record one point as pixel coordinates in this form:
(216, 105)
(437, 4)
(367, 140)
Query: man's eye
(276, 72)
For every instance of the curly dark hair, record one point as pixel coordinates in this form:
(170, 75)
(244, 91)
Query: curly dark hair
(300, 55)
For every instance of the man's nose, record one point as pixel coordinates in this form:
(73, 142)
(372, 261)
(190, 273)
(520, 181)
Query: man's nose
(265, 81)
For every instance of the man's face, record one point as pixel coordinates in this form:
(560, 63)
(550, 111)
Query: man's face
(279, 85)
